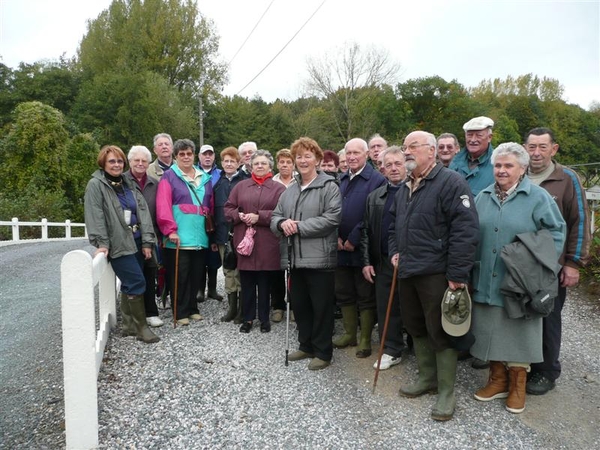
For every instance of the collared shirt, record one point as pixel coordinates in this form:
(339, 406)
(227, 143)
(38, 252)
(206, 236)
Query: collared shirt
(413, 183)
(353, 174)
(502, 196)
(197, 177)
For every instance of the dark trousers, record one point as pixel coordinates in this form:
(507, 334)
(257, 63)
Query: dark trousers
(394, 340)
(129, 270)
(191, 263)
(311, 294)
(551, 339)
(420, 303)
(351, 288)
(250, 281)
(278, 289)
(150, 270)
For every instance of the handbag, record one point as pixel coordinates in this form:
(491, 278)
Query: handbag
(229, 256)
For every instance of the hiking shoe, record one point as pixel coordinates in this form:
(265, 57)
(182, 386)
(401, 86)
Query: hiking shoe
(246, 327)
(184, 322)
(154, 321)
(277, 315)
(299, 354)
(265, 327)
(196, 317)
(387, 361)
(318, 364)
(538, 384)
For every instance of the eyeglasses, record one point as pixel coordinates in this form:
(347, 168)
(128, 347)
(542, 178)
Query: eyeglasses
(449, 147)
(115, 161)
(412, 147)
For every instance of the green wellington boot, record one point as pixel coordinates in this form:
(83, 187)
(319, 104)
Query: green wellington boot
(367, 322)
(127, 327)
(138, 314)
(350, 320)
(446, 376)
(426, 362)
(239, 317)
(232, 299)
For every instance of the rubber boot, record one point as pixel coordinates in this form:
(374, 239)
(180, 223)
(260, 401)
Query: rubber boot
(239, 317)
(212, 285)
(517, 382)
(127, 327)
(427, 364)
(138, 313)
(446, 375)
(497, 385)
(367, 322)
(350, 319)
(232, 298)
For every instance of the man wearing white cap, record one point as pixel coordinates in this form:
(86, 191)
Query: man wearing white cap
(473, 162)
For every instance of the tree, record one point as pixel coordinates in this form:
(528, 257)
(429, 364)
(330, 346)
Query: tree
(346, 79)
(168, 37)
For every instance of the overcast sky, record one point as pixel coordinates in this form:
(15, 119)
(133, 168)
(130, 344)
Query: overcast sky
(464, 40)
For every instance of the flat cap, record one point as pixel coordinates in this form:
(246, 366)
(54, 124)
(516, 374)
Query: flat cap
(206, 148)
(478, 123)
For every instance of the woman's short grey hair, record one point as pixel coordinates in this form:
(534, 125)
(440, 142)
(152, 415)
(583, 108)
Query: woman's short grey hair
(264, 153)
(183, 144)
(512, 148)
(139, 150)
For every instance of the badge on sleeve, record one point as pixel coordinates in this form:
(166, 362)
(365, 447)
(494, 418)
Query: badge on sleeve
(465, 201)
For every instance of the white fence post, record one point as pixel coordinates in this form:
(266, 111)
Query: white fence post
(15, 229)
(67, 229)
(44, 229)
(79, 356)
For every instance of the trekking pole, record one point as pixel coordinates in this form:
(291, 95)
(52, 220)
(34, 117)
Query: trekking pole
(385, 326)
(287, 303)
(175, 288)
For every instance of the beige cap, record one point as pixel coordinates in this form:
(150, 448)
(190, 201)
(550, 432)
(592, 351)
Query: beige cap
(478, 123)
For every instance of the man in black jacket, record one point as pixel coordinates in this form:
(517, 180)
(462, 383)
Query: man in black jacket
(433, 238)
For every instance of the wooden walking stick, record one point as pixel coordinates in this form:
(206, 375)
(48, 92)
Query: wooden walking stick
(175, 288)
(385, 326)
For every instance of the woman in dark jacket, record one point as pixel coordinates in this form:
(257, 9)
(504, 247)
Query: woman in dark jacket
(119, 225)
(251, 205)
(308, 214)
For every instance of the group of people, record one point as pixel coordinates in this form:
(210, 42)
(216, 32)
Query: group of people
(438, 218)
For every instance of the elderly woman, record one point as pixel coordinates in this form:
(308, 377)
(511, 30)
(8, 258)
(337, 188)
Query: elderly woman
(510, 206)
(119, 225)
(184, 198)
(250, 205)
(308, 214)
(139, 158)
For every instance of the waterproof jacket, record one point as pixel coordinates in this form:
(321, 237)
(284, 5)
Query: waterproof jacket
(481, 176)
(530, 284)
(370, 242)
(435, 230)
(251, 197)
(105, 220)
(564, 186)
(528, 209)
(149, 193)
(222, 189)
(354, 199)
(179, 211)
(154, 170)
(318, 210)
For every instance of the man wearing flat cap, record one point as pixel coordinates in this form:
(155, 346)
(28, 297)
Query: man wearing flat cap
(474, 161)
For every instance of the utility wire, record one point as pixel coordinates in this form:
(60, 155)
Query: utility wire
(250, 34)
(284, 47)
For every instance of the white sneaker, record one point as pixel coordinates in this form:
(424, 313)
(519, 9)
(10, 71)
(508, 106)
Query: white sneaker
(387, 361)
(154, 321)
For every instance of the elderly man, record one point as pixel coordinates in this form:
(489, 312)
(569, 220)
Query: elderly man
(246, 150)
(473, 162)
(377, 268)
(377, 144)
(564, 186)
(433, 238)
(448, 146)
(163, 149)
(351, 288)
(206, 162)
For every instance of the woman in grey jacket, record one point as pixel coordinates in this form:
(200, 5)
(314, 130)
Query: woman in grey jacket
(308, 214)
(119, 226)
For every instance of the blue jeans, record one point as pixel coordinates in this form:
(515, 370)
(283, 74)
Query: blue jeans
(129, 271)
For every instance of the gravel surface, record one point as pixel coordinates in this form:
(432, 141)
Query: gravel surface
(209, 386)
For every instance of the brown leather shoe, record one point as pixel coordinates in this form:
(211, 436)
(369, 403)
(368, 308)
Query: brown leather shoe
(299, 355)
(517, 382)
(497, 385)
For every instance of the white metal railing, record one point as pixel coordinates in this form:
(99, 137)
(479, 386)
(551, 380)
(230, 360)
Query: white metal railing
(83, 346)
(15, 224)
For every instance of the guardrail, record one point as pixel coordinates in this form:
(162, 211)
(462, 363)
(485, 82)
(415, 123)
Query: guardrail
(83, 345)
(15, 224)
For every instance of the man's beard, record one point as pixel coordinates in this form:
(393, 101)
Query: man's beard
(410, 165)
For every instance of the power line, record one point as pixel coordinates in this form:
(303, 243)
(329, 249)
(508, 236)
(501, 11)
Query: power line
(250, 34)
(284, 47)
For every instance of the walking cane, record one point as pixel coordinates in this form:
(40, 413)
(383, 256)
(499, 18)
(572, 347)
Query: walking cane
(175, 288)
(385, 326)
(287, 302)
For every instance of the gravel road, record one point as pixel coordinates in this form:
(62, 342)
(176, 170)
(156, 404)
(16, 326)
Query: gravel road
(209, 386)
